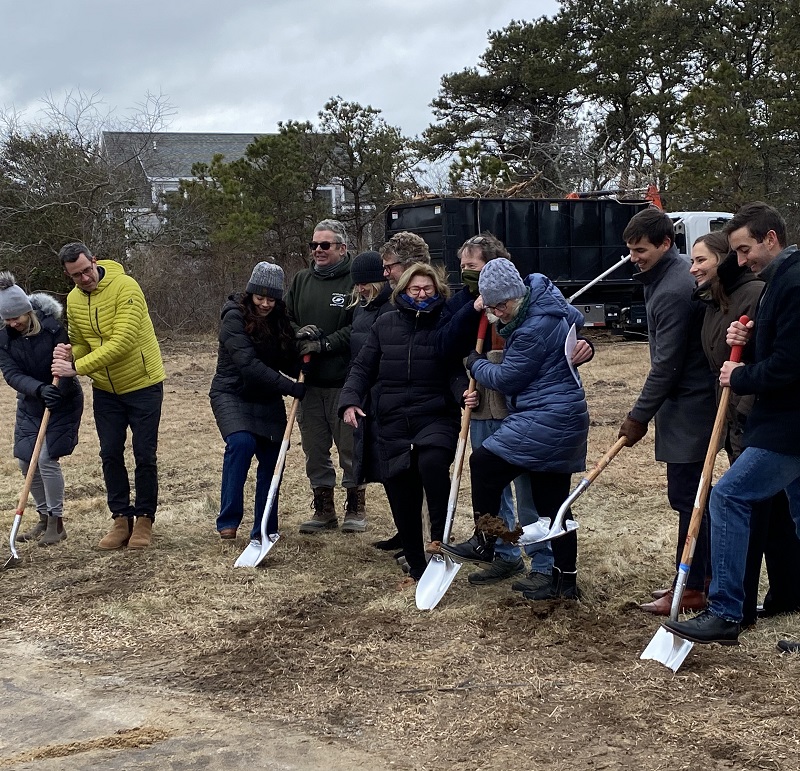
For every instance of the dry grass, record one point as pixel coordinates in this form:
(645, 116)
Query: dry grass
(321, 637)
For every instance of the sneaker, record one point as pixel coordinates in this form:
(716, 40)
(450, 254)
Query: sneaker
(498, 571)
(533, 582)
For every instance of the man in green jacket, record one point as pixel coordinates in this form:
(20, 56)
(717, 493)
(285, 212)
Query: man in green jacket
(317, 302)
(113, 343)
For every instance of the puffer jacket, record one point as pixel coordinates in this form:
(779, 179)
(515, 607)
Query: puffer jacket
(112, 335)
(25, 362)
(248, 388)
(418, 401)
(548, 422)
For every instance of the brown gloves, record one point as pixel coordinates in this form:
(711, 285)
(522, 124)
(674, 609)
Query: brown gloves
(632, 430)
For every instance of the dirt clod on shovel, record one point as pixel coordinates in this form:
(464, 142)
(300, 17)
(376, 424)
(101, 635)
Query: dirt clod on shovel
(496, 527)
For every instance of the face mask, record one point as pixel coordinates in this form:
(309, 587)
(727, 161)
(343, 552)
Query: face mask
(470, 278)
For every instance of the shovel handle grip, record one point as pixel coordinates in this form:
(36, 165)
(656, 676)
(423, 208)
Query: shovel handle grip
(736, 350)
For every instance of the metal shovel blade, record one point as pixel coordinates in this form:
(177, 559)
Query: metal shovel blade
(256, 551)
(14, 559)
(540, 531)
(435, 581)
(668, 649)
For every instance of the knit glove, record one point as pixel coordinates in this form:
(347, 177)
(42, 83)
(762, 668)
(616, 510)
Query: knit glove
(297, 390)
(309, 346)
(50, 395)
(309, 332)
(632, 430)
(473, 357)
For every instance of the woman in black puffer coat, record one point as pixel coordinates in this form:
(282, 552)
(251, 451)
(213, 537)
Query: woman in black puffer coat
(256, 344)
(417, 408)
(31, 331)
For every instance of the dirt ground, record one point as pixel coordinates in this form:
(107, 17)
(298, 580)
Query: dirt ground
(320, 642)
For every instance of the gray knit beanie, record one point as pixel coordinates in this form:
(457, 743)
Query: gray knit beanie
(266, 280)
(367, 268)
(13, 300)
(499, 280)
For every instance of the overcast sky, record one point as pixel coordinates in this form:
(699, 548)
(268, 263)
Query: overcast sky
(243, 65)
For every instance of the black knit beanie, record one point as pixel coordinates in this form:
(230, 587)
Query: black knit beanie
(367, 268)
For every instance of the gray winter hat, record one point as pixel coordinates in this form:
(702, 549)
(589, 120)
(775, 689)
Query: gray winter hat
(266, 280)
(499, 280)
(13, 300)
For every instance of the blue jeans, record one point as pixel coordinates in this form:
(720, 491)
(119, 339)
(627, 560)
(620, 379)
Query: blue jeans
(240, 447)
(540, 553)
(755, 476)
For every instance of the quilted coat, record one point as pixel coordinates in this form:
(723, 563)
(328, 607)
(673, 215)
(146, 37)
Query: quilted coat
(112, 335)
(548, 421)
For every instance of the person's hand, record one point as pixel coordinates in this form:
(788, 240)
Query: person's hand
(632, 430)
(63, 351)
(738, 333)
(297, 390)
(472, 399)
(62, 368)
(50, 395)
(352, 414)
(309, 332)
(478, 304)
(725, 372)
(582, 352)
(472, 358)
(309, 346)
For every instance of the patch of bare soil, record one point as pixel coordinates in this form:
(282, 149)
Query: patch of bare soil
(320, 637)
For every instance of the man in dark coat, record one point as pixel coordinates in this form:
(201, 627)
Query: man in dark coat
(679, 389)
(770, 461)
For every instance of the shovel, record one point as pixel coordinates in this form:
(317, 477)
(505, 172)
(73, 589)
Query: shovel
(255, 551)
(441, 570)
(14, 559)
(665, 647)
(543, 530)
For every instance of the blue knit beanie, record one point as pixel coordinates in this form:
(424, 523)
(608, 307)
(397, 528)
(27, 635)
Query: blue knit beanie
(499, 281)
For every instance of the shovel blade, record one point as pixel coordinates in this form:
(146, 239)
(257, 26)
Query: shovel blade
(435, 581)
(256, 551)
(668, 649)
(539, 531)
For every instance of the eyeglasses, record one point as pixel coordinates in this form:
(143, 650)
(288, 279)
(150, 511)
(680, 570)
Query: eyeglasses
(387, 266)
(86, 272)
(499, 307)
(429, 289)
(324, 245)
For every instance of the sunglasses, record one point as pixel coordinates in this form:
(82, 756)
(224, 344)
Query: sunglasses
(324, 245)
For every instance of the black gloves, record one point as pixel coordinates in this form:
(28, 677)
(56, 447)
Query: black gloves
(633, 430)
(297, 390)
(50, 395)
(309, 332)
(309, 346)
(473, 357)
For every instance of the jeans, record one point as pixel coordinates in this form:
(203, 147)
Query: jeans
(540, 553)
(47, 486)
(113, 413)
(755, 476)
(240, 447)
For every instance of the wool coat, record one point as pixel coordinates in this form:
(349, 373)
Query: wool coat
(25, 362)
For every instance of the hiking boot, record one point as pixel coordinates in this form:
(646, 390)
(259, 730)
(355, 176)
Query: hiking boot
(355, 515)
(54, 533)
(119, 534)
(498, 571)
(142, 535)
(532, 582)
(36, 530)
(390, 544)
(705, 627)
(479, 549)
(562, 586)
(324, 512)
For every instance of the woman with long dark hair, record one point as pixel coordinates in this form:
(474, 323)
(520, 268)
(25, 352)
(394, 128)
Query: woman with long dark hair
(256, 346)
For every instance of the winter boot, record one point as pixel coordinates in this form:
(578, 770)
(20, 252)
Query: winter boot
(119, 534)
(36, 530)
(562, 586)
(479, 549)
(142, 535)
(324, 512)
(498, 571)
(355, 515)
(532, 582)
(55, 532)
(390, 544)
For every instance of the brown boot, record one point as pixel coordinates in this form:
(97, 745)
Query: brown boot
(142, 535)
(36, 531)
(355, 514)
(324, 512)
(55, 532)
(119, 534)
(693, 599)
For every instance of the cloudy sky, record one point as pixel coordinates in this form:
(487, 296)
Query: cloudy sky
(243, 65)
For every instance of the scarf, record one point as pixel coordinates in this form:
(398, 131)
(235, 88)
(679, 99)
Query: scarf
(522, 313)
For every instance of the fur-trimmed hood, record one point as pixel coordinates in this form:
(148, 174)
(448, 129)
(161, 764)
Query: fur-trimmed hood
(47, 304)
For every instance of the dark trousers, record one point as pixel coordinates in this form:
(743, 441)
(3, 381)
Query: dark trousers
(113, 414)
(490, 475)
(429, 473)
(682, 482)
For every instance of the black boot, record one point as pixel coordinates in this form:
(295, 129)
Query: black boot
(479, 549)
(562, 586)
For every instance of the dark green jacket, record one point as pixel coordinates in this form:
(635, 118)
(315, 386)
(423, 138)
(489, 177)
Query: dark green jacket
(323, 300)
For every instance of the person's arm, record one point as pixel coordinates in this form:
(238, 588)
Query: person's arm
(13, 374)
(521, 364)
(363, 372)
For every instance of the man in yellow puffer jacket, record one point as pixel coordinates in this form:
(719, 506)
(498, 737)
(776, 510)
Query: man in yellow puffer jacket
(113, 343)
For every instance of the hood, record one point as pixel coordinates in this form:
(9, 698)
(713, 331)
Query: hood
(381, 299)
(547, 300)
(341, 267)
(731, 275)
(111, 270)
(48, 305)
(232, 303)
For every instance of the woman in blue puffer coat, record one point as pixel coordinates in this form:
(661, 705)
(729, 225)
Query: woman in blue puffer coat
(547, 427)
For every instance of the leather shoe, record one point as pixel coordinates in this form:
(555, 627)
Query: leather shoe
(788, 646)
(657, 594)
(770, 611)
(704, 628)
(693, 599)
